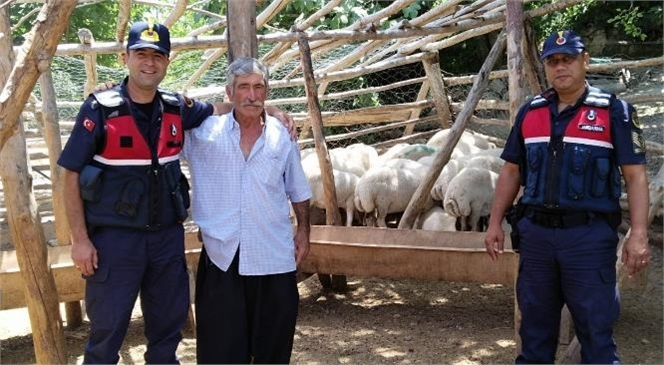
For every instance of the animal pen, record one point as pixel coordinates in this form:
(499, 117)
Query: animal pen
(342, 86)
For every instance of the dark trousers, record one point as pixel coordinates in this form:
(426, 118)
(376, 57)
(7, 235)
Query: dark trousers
(130, 262)
(573, 266)
(244, 319)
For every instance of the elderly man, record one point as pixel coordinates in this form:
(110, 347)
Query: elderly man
(246, 289)
(569, 147)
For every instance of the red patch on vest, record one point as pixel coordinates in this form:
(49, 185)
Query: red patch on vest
(88, 124)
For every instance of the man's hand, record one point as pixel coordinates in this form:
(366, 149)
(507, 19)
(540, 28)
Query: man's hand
(284, 118)
(105, 86)
(84, 255)
(636, 252)
(494, 241)
(301, 246)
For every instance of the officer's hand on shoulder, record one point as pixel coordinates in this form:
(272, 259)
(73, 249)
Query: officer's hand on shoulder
(105, 86)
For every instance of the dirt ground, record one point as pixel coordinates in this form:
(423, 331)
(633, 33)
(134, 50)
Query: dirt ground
(394, 322)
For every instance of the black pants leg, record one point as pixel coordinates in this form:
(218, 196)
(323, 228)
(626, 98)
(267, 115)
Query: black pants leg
(243, 319)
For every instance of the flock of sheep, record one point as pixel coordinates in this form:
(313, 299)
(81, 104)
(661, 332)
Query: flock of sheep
(370, 186)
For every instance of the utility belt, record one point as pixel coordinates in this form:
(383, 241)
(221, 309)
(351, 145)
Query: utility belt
(562, 219)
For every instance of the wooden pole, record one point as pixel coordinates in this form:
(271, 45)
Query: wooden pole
(432, 70)
(33, 58)
(90, 59)
(515, 36)
(332, 216)
(22, 213)
(241, 15)
(443, 156)
(51, 130)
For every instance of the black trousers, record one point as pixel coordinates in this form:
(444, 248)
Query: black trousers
(244, 319)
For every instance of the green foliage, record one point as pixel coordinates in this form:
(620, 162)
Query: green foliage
(641, 20)
(628, 18)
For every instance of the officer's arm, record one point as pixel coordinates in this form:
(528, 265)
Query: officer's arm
(507, 188)
(83, 252)
(636, 251)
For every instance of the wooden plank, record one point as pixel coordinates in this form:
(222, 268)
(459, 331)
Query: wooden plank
(399, 253)
(339, 250)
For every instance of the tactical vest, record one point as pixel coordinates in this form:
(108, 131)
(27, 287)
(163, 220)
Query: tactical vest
(129, 184)
(576, 171)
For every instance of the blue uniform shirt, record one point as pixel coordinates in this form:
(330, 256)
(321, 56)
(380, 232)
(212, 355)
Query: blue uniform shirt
(87, 133)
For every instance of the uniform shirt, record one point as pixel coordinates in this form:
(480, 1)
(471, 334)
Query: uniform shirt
(88, 129)
(243, 204)
(628, 145)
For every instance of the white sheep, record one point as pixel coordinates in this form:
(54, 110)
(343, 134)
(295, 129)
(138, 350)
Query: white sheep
(366, 154)
(468, 143)
(450, 170)
(469, 196)
(344, 185)
(415, 151)
(340, 158)
(391, 152)
(386, 189)
(436, 219)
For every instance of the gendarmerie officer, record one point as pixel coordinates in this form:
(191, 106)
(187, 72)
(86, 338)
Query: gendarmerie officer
(569, 148)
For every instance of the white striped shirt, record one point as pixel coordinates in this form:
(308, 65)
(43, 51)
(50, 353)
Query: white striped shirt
(243, 204)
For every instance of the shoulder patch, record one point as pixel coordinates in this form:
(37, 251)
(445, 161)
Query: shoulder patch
(188, 102)
(169, 97)
(109, 98)
(597, 98)
(538, 101)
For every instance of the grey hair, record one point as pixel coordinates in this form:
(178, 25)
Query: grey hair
(246, 66)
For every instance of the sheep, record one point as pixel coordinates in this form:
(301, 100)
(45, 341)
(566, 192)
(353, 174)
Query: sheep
(403, 163)
(415, 151)
(450, 170)
(488, 162)
(469, 196)
(391, 152)
(344, 185)
(468, 143)
(340, 158)
(386, 189)
(366, 154)
(436, 219)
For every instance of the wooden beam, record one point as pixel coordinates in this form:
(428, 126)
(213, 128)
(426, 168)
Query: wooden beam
(405, 253)
(241, 30)
(357, 251)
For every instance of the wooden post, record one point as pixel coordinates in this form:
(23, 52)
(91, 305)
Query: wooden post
(51, 130)
(332, 216)
(90, 58)
(443, 156)
(432, 70)
(532, 65)
(24, 220)
(514, 26)
(34, 57)
(241, 29)
(421, 95)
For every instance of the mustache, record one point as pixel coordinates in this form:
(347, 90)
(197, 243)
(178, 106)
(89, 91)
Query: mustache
(257, 105)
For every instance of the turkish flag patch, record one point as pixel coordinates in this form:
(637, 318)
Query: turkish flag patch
(89, 124)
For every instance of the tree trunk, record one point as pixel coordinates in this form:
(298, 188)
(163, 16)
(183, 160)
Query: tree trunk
(241, 29)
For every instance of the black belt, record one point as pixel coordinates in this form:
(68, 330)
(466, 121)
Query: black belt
(559, 219)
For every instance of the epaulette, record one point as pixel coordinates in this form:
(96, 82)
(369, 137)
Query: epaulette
(109, 98)
(169, 97)
(538, 101)
(597, 97)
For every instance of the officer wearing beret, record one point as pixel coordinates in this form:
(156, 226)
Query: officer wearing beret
(126, 200)
(569, 149)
